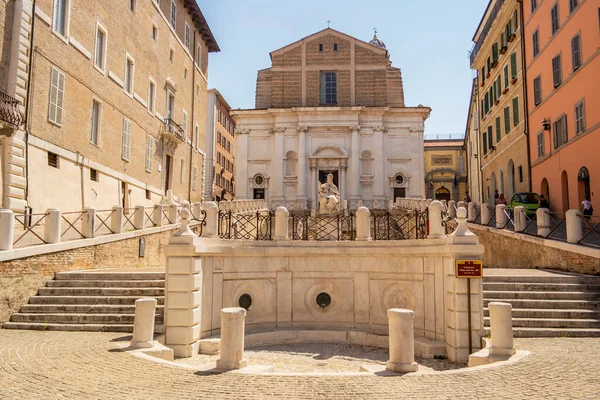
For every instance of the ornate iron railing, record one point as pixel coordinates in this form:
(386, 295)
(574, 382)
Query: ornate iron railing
(255, 226)
(339, 227)
(401, 225)
(11, 113)
(198, 222)
(174, 128)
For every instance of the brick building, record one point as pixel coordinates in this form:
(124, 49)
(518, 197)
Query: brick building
(330, 103)
(116, 107)
(220, 149)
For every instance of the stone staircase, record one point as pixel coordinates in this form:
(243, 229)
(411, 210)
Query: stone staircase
(91, 301)
(547, 305)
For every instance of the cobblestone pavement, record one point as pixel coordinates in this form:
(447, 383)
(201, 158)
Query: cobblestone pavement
(53, 365)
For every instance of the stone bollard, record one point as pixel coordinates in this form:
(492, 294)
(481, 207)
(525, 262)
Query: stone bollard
(501, 217)
(88, 223)
(139, 216)
(7, 229)
(471, 211)
(157, 214)
(173, 215)
(197, 210)
(232, 339)
(520, 219)
(501, 328)
(436, 228)
(363, 225)
(461, 204)
(281, 223)
(143, 323)
(543, 222)
(486, 214)
(52, 227)
(574, 226)
(212, 220)
(116, 219)
(452, 209)
(402, 341)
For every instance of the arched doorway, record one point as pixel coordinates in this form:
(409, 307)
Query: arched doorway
(511, 179)
(545, 190)
(583, 183)
(442, 194)
(564, 184)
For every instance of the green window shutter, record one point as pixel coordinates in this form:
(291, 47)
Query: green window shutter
(484, 141)
(499, 84)
(513, 65)
(505, 76)
(495, 52)
(498, 134)
(507, 119)
(490, 138)
(516, 111)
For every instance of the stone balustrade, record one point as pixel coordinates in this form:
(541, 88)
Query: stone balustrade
(242, 206)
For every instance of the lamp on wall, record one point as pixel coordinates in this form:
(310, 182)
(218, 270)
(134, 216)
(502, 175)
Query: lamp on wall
(546, 124)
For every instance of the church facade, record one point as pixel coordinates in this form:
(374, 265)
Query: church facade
(330, 104)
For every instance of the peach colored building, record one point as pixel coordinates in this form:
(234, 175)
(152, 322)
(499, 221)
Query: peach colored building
(563, 95)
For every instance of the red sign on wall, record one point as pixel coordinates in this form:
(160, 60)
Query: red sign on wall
(469, 269)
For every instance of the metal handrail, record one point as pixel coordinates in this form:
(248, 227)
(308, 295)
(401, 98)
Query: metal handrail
(10, 111)
(174, 128)
(29, 229)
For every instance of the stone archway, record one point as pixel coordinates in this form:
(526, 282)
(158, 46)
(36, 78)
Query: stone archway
(442, 194)
(583, 184)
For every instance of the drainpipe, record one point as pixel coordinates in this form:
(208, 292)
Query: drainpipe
(192, 120)
(525, 99)
(28, 103)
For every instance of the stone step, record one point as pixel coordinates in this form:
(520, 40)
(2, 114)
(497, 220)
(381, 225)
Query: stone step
(546, 304)
(536, 287)
(551, 323)
(522, 332)
(75, 327)
(78, 318)
(89, 299)
(543, 295)
(82, 308)
(567, 278)
(549, 313)
(110, 291)
(108, 275)
(157, 283)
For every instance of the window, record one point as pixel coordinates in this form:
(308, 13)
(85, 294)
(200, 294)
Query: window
(100, 48)
(536, 43)
(320, 47)
(154, 33)
(61, 16)
(328, 88)
(498, 133)
(335, 47)
(576, 52)
(185, 73)
(96, 115)
(57, 94)
(513, 65)
(506, 76)
(520, 174)
(579, 118)
(128, 81)
(187, 36)
(515, 21)
(184, 123)
(563, 129)
(53, 160)
(486, 103)
(171, 55)
(173, 14)
(148, 194)
(516, 111)
(170, 104)
(483, 74)
(499, 86)
(132, 5)
(484, 141)
(533, 5)
(461, 163)
(489, 64)
(554, 19)
(573, 5)
(495, 53)
(126, 140)
(151, 96)
(560, 131)
(537, 90)
(198, 57)
(181, 171)
(196, 136)
(149, 145)
(94, 175)
(556, 133)
(194, 177)
(507, 120)
(490, 138)
(540, 143)
(556, 71)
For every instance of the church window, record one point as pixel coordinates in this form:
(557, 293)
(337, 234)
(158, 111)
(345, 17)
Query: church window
(335, 47)
(320, 47)
(328, 88)
(291, 160)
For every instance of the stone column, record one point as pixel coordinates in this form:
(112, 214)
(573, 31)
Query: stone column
(173, 215)
(241, 161)
(402, 342)
(520, 219)
(143, 323)
(211, 230)
(302, 164)
(314, 179)
(277, 162)
(343, 183)
(379, 159)
(501, 328)
(363, 225)
(139, 216)
(7, 229)
(574, 226)
(116, 219)
(486, 214)
(233, 322)
(281, 223)
(52, 225)
(543, 222)
(436, 229)
(501, 217)
(471, 211)
(355, 164)
(88, 222)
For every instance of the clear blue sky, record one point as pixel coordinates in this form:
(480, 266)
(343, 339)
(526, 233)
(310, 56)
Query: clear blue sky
(428, 40)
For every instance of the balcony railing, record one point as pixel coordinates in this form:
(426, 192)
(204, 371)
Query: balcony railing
(174, 128)
(11, 113)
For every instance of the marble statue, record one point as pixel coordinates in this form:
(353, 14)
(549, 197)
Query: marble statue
(329, 196)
